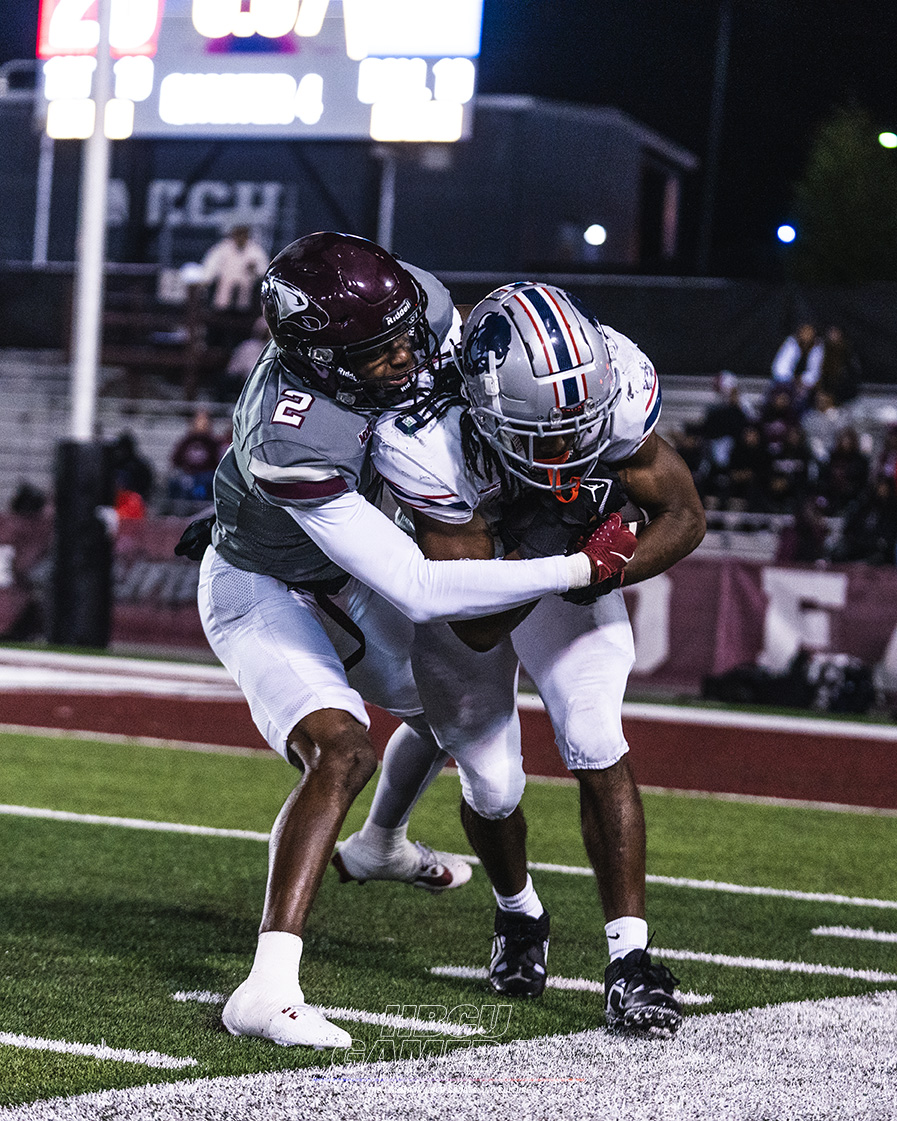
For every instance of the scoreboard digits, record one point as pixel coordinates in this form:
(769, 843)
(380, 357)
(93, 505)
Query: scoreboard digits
(381, 69)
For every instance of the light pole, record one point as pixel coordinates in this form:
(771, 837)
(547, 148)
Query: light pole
(717, 105)
(82, 571)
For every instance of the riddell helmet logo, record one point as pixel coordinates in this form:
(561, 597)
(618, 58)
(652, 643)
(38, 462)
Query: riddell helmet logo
(396, 315)
(294, 306)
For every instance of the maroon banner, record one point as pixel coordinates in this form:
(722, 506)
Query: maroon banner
(155, 591)
(705, 616)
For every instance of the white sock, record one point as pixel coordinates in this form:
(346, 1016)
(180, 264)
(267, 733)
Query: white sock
(277, 957)
(383, 842)
(625, 935)
(525, 902)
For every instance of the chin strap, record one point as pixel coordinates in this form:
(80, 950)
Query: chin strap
(571, 492)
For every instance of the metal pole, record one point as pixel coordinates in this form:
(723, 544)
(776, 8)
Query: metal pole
(41, 243)
(91, 249)
(387, 208)
(83, 546)
(717, 101)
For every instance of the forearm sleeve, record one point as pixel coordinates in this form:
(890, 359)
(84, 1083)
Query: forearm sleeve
(364, 542)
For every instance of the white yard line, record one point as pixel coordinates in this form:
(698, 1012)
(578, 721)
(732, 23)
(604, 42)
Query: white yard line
(564, 869)
(97, 1051)
(568, 984)
(776, 966)
(134, 823)
(867, 935)
(124, 739)
(356, 1015)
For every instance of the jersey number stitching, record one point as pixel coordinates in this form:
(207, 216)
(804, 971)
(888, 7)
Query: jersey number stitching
(292, 408)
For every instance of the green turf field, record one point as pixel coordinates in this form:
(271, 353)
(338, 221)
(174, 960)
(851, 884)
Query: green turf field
(101, 924)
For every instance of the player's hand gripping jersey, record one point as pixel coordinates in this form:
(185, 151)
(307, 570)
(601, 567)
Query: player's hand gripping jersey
(425, 468)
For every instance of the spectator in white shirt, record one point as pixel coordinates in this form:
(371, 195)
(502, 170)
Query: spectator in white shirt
(233, 266)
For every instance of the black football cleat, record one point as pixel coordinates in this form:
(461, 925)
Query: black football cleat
(519, 950)
(639, 996)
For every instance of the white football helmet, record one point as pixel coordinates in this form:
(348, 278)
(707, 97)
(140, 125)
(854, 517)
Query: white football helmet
(535, 364)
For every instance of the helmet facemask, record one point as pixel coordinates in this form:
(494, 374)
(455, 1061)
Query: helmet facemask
(536, 365)
(585, 435)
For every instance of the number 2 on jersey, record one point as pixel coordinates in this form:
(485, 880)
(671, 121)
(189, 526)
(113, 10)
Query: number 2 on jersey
(292, 408)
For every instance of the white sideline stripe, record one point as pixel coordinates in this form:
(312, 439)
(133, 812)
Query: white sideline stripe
(134, 823)
(97, 663)
(354, 1015)
(867, 935)
(97, 1051)
(775, 965)
(178, 672)
(143, 741)
(676, 714)
(564, 869)
(568, 984)
(36, 679)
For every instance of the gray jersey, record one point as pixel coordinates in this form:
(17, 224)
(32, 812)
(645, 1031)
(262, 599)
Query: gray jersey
(295, 449)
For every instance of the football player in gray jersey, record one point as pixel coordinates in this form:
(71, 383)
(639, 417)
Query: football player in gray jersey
(308, 593)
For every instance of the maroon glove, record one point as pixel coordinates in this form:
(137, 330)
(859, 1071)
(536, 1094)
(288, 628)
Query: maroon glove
(610, 547)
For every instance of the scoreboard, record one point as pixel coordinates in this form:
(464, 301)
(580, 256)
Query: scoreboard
(387, 70)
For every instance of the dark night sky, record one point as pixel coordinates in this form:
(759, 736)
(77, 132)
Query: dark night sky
(790, 63)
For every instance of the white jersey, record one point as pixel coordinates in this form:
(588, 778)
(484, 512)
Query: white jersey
(425, 470)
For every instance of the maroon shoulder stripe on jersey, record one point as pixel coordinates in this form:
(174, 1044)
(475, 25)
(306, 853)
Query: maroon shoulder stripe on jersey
(300, 490)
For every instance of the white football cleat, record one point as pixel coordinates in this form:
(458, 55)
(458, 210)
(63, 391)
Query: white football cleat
(417, 865)
(283, 1017)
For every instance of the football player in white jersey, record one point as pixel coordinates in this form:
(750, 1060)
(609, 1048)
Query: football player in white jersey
(551, 396)
(308, 591)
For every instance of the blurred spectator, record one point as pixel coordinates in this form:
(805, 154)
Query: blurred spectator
(28, 501)
(798, 361)
(886, 463)
(749, 466)
(132, 475)
(26, 540)
(869, 532)
(724, 422)
(232, 267)
(778, 414)
(822, 425)
(789, 472)
(846, 473)
(839, 373)
(688, 443)
(242, 361)
(193, 460)
(804, 540)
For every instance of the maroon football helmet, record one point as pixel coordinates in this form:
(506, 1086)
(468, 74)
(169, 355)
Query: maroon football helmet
(332, 302)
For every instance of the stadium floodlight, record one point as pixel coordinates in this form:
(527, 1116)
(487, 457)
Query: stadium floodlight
(786, 233)
(888, 139)
(595, 234)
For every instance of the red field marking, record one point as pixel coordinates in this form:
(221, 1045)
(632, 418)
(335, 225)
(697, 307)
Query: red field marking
(684, 756)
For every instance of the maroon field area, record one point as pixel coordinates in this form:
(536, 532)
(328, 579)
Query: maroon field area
(817, 760)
